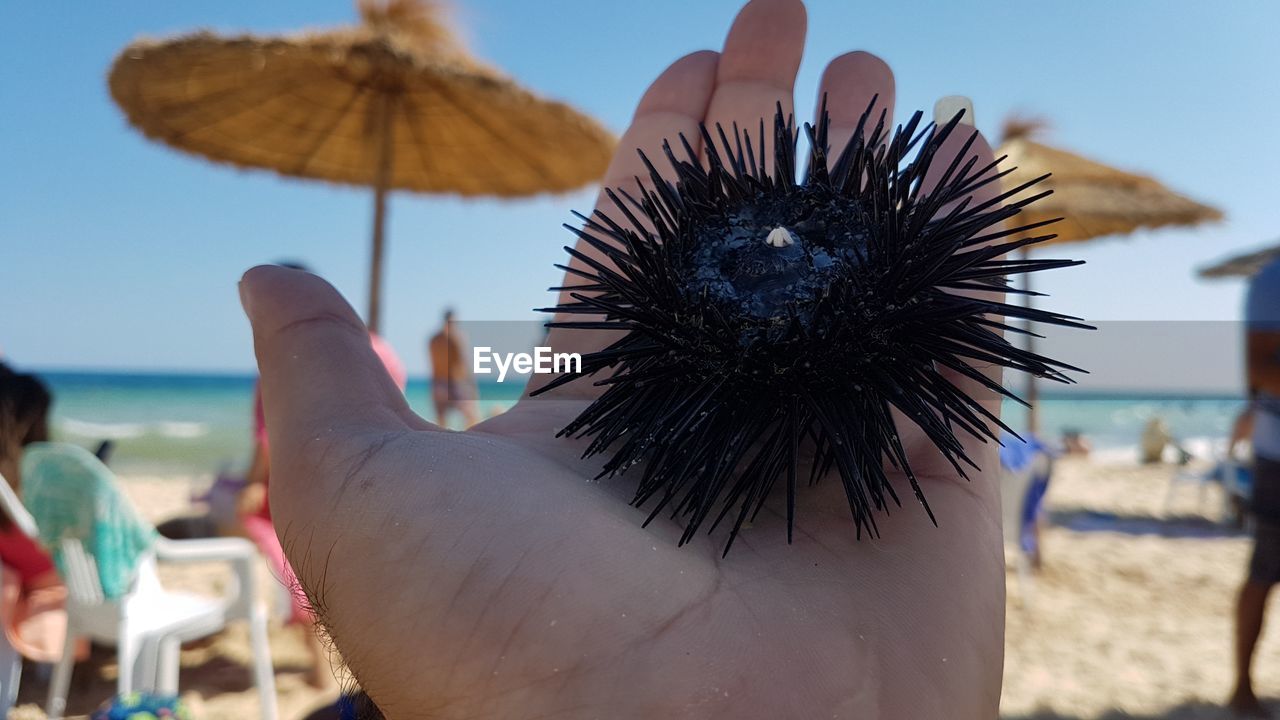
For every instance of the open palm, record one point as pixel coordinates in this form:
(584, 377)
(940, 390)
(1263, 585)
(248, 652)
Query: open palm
(481, 575)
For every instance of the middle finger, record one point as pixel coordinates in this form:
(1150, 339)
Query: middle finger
(757, 69)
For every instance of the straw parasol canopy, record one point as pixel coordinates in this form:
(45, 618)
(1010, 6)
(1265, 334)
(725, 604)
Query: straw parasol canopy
(394, 103)
(1246, 265)
(1094, 200)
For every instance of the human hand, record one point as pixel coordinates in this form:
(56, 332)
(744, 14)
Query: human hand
(480, 574)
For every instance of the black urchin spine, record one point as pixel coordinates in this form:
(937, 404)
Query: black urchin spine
(737, 362)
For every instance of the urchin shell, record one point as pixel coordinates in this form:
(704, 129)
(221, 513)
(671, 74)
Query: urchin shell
(764, 319)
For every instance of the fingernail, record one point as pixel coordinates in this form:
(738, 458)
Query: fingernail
(946, 108)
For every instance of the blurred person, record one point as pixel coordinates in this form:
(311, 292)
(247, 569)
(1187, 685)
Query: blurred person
(254, 509)
(1240, 443)
(33, 599)
(452, 385)
(1156, 436)
(1262, 358)
(1075, 443)
(24, 417)
(1235, 470)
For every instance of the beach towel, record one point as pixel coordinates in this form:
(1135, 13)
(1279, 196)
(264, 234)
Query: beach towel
(143, 706)
(73, 495)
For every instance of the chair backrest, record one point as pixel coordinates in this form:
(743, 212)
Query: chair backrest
(80, 573)
(98, 538)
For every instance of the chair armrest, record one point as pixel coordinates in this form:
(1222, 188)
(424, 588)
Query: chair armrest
(17, 512)
(203, 550)
(238, 552)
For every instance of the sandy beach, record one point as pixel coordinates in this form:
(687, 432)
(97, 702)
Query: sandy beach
(1130, 617)
(1132, 621)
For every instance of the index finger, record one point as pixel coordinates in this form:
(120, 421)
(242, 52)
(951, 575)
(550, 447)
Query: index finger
(673, 105)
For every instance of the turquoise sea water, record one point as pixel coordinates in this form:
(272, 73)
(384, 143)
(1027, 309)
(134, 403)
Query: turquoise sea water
(199, 424)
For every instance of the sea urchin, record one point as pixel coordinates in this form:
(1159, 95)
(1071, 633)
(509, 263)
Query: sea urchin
(765, 320)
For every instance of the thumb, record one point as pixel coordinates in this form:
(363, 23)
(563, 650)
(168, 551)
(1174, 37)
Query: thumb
(320, 375)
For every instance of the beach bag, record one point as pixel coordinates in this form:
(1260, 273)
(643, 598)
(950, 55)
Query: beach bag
(142, 706)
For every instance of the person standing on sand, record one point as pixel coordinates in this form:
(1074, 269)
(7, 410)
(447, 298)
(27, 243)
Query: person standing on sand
(452, 387)
(1262, 358)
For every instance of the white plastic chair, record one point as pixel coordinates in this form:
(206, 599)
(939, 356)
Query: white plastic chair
(148, 623)
(1223, 471)
(1013, 493)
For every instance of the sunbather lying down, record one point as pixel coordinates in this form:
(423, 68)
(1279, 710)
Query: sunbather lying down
(479, 574)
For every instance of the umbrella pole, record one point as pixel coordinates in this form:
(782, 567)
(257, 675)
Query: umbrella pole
(1033, 392)
(382, 181)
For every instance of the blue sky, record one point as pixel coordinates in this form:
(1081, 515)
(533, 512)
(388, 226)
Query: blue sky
(116, 252)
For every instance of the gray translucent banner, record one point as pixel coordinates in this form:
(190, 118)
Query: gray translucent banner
(1138, 357)
(1189, 374)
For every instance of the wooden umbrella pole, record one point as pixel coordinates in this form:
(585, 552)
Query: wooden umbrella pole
(382, 182)
(1033, 391)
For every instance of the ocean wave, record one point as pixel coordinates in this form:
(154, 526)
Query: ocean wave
(1200, 448)
(183, 429)
(129, 431)
(101, 430)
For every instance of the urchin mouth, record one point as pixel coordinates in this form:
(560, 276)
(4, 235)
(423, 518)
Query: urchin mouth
(770, 272)
(765, 270)
(780, 237)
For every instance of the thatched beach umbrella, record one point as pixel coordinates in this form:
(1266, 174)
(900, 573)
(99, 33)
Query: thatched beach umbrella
(1246, 265)
(1094, 200)
(394, 103)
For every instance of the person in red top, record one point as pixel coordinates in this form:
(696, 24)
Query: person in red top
(33, 598)
(255, 516)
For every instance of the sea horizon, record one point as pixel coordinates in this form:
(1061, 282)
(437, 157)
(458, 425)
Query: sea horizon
(1047, 390)
(199, 423)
